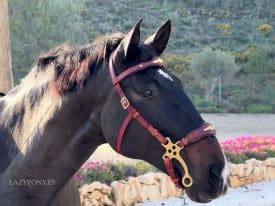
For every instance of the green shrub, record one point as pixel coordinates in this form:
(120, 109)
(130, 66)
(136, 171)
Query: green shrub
(144, 167)
(241, 158)
(258, 108)
(205, 106)
(260, 60)
(268, 94)
(179, 64)
(242, 57)
(203, 102)
(243, 93)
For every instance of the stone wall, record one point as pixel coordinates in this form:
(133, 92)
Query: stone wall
(96, 194)
(251, 171)
(158, 186)
(151, 186)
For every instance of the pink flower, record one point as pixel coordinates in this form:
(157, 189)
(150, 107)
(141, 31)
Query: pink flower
(249, 145)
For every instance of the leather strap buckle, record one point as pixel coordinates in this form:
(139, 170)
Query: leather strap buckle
(124, 102)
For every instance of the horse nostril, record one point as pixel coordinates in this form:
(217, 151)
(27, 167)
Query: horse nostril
(214, 174)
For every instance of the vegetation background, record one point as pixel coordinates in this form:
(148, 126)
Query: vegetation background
(222, 50)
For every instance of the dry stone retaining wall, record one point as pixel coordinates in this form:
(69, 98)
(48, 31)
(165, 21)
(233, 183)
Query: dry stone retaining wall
(158, 186)
(252, 171)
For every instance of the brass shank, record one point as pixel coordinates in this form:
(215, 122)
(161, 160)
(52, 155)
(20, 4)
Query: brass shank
(173, 152)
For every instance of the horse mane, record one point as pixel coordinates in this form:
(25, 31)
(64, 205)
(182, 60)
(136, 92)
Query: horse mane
(73, 65)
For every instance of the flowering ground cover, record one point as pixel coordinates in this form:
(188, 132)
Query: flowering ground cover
(238, 150)
(109, 171)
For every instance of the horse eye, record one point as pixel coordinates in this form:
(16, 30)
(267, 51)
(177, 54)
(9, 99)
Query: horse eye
(147, 93)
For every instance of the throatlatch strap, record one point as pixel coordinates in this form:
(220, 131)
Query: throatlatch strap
(122, 130)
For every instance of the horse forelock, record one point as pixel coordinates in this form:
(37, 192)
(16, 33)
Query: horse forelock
(73, 65)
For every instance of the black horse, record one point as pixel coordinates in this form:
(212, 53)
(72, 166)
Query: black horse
(115, 90)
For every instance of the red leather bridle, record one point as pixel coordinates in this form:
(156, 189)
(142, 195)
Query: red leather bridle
(172, 149)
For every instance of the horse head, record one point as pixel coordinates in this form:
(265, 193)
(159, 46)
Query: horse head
(148, 116)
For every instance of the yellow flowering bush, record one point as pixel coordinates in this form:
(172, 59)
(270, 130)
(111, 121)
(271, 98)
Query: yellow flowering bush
(265, 28)
(225, 28)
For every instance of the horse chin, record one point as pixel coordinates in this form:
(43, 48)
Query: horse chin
(196, 194)
(193, 194)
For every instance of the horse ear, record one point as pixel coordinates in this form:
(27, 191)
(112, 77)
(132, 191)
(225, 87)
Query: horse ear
(160, 38)
(128, 44)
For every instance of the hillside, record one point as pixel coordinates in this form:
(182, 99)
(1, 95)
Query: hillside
(222, 50)
(196, 23)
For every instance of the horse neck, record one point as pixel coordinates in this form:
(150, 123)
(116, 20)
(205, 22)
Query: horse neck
(20, 115)
(64, 131)
(25, 108)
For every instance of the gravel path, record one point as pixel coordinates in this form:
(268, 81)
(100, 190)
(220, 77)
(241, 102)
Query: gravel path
(237, 125)
(258, 194)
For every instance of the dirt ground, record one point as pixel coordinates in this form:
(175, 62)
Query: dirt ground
(238, 125)
(227, 126)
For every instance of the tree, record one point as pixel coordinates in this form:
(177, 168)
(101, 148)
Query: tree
(212, 68)
(6, 81)
(36, 26)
